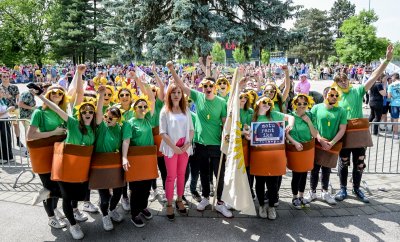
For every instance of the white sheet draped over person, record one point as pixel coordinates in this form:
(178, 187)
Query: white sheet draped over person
(236, 190)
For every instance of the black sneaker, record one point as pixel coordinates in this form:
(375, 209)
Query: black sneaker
(146, 214)
(196, 196)
(360, 195)
(138, 222)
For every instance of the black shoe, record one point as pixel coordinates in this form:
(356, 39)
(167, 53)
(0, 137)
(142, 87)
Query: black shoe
(171, 217)
(181, 211)
(20, 144)
(138, 222)
(196, 196)
(146, 214)
(360, 195)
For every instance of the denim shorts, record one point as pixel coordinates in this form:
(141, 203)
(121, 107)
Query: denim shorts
(394, 112)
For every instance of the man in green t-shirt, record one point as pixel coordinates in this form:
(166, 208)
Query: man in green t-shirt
(352, 103)
(211, 112)
(330, 121)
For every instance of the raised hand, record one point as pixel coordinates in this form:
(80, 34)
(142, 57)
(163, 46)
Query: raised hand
(389, 52)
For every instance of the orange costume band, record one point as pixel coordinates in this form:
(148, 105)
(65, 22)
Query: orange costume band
(268, 160)
(143, 163)
(327, 158)
(157, 140)
(301, 161)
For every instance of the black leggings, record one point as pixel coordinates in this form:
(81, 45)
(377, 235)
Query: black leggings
(299, 180)
(163, 171)
(71, 194)
(51, 203)
(140, 192)
(325, 174)
(272, 185)
(108, 201)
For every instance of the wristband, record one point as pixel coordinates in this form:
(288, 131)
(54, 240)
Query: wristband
(333, 142)
(386, 61)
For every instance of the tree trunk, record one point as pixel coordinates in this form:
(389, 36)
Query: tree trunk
(95, 31)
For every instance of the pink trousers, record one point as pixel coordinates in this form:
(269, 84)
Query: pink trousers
(176, 168)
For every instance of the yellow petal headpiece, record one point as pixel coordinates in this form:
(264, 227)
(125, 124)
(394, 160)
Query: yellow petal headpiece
(142, 98)
(99, 81)
(269, 100)
(310, 101)
(78, 108)
(223, 79)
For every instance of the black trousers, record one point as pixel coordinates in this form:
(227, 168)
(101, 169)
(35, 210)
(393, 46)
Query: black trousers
(272, 185)
(51, 203)
(325, 174)
(5, 141)
(108, 201)
(343, 170)
(71, 194)
(140, 192)
(163, 171)
(204, 155)
(375, 115)
(299, 180)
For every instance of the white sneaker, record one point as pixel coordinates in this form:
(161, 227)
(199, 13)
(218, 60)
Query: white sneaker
(56, 223)
(42, 195)
(153, 195)
(89, 207)
(271, 213)
(125, 204)
(262, 211)
(76, 231)
(221, 208)
(326, 196)
(59, 214)
(107, 223)
(79, 216)
(203, 204)
(115, 216)
(228, 206)
(311, 196)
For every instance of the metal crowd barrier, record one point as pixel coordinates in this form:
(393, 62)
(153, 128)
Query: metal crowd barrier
(14, 158)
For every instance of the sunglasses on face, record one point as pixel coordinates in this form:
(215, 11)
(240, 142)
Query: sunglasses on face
(108, 95)
(241, 97)
(87, 112)
(208, 86)
(58, 92)
(222, 83)
(109, 118)
(154, 90)
(305, 104)
(266, 102)
(334, 95)
(5, 76)
(190, 101)
(124, 95)
(142, 107)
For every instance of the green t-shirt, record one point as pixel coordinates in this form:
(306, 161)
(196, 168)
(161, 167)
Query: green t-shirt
(108, 139)
(139, 131)
(196, 126)
(246, 116)
(275, 116)
(128, 115)
(46, 120)
(226, 98)
(301, 132)
(352, 102)
(74, 135)
(327, 121)
(107, 106)
(210, 114)
(155, 120)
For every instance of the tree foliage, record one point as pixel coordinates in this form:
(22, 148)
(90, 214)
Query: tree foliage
(265, 56)
(317, 43)
(218, 53)
(359, 42)
(340, 11)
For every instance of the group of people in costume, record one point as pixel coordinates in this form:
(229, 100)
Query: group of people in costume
(118, 138)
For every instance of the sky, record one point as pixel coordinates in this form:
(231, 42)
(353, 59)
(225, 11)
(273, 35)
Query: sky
(389, 17)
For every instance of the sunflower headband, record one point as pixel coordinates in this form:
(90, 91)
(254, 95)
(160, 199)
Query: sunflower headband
(266, 99)
(223, 79)
(129, 88)
(144, 98)
(310, 101)
(78, 108)
(112, 99)
(206, 80)
(341, 90)
(122, 118)
(99, 81)
(333, 88)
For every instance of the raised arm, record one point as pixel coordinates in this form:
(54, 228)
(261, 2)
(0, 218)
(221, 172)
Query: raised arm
(178, 80)
(160, 83)
(63, 115)
(381, 68)
(285, 93)
(203, 68)
(79, 89)
(100, 103)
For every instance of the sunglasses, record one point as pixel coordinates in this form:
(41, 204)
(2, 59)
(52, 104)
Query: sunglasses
(190, 101)
(58, 92)
(124, 95)
(142, 107)
(109, 118)
(5, 76)
(87, 112)
(108, 95)
(333, 95)
(208, 86)
(241, 97)
(266, 102)
(154, 90)
(222, 83)
(305, 104)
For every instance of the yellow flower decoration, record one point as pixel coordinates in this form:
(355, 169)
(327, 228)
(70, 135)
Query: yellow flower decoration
(131, 90)
(267, 99)
(99, 81)
(310, 101)
(223, 79)
(111, 88)
(78, 107)
(144, 98)
(341, 90)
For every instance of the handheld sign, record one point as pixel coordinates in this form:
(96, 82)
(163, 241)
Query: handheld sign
(267, 133)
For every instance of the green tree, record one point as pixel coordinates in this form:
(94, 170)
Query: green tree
(341, 10)
(359, 42)
(396, 54)
(265, 56)
(218, 53)
(317, 43)
(239, 54)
